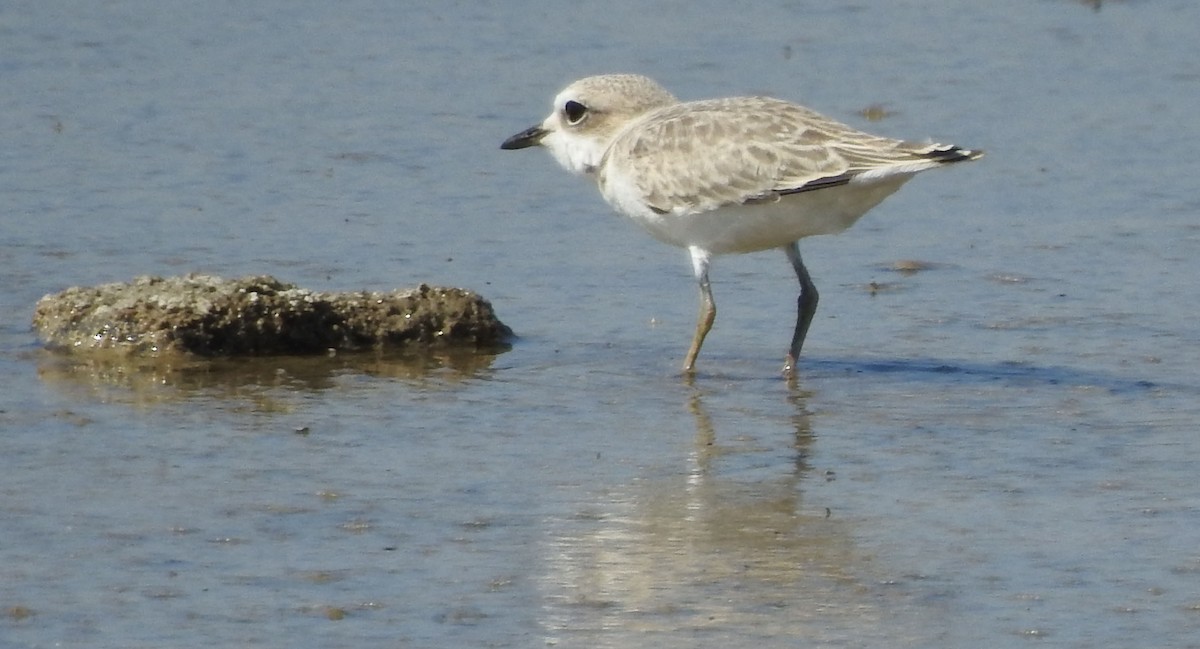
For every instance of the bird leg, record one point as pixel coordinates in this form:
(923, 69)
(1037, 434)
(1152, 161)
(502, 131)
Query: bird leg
(806, 306)
(708, 309)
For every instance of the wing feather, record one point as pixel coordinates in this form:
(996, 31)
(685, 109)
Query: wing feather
(752, 149)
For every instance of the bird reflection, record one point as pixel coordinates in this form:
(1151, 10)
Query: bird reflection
(726, 545)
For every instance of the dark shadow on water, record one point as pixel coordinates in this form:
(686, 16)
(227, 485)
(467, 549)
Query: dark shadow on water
(959, 372)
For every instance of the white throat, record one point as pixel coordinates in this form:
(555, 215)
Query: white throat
(577, 154)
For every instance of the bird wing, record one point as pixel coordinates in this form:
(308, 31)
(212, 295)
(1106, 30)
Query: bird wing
(698, 156)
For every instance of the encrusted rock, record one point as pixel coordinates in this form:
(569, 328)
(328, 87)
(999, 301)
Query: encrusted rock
(211, 316)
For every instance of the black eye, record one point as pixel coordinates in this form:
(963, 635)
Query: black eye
(574, 111)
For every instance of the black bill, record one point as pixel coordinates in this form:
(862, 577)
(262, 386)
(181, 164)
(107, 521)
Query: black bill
(527, 138)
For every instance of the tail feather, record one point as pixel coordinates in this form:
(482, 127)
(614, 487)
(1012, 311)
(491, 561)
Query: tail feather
(951, 153)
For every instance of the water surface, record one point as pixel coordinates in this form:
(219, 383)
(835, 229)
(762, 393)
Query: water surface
(994, 451)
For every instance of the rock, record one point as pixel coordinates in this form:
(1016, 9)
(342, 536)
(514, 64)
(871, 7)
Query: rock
(257, 316)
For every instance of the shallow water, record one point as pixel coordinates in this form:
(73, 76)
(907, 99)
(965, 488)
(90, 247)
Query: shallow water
(994, 450)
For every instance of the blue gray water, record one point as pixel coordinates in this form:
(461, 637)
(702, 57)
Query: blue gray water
(997, 450)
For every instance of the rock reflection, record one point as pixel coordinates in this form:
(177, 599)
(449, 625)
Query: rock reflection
(146, 380)
(712, 551)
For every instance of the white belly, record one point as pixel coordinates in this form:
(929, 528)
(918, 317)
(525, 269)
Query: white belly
(759, 226)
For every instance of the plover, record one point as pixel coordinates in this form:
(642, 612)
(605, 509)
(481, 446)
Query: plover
(721, 176)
